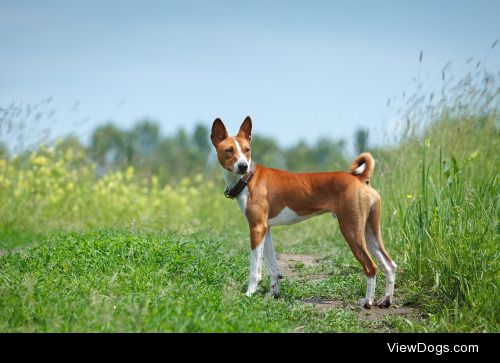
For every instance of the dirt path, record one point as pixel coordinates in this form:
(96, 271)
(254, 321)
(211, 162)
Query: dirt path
(13, 250)
(295, 266)
(290, 265)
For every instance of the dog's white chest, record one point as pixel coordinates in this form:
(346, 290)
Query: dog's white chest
(243, 200)
(287, 216)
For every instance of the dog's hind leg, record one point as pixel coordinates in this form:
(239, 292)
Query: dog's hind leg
(272, 264)
(353, 230)
(376, 247)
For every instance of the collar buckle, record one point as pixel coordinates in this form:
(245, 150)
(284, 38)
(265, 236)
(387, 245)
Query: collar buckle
(233, 192)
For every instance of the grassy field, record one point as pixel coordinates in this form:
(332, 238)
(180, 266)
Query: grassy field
(121, 281)
(120, 253)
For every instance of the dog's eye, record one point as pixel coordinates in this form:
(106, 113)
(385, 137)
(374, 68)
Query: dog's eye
(229, 150)
(247, 149)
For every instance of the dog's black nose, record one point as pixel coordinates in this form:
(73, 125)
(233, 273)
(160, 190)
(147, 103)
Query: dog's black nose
(242, 167)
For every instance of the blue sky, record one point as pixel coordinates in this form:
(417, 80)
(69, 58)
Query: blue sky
(300, 69)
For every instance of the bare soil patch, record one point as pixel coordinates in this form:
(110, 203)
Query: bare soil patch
(13, 250)
(377, 314)
(290, 266)
(373, 314)
(290, 263)
(324, 304)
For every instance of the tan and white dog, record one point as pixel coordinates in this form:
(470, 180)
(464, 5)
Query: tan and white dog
(270, 197)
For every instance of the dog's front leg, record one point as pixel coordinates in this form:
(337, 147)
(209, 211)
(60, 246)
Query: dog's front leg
(257, 234)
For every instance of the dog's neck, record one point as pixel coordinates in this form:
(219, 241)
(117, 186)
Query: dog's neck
(230, 178)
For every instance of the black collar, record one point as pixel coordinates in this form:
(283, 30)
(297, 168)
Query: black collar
(240, 184)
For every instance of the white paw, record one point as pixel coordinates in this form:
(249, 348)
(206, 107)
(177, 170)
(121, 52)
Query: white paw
(385, 302)
(366, 303)
(272, 295)
(275, 288)
(274, 292)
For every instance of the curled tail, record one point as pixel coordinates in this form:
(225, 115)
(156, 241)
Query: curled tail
(363, 166)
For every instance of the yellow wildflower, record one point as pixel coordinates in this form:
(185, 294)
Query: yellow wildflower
(38, 160)
(68, 155)
(154, 181)
(129, 173)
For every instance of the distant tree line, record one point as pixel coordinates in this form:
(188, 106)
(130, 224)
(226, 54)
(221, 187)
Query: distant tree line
(184, 153)
(143, 147)
(188, 153)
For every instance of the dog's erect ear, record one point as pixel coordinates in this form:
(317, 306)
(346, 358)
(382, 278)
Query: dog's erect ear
(246, 129)
(219, 132)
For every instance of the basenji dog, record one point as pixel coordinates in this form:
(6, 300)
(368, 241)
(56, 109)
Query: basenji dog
(270, 197)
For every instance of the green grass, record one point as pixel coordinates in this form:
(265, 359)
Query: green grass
(443, 207)
(120, 281)
(119, 254)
